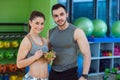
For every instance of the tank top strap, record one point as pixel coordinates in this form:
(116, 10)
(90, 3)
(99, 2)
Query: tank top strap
(42, 40)
(30, 39)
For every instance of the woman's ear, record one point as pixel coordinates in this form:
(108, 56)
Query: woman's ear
(30, 22)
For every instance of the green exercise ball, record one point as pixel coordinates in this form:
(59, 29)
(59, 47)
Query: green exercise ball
(100, 28)
(85, 24)
(116, 29)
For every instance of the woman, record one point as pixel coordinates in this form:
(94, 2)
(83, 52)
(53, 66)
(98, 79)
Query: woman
(32, 49)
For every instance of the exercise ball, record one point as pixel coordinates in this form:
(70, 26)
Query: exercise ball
(85, 24)
(116, 29)
(27, 69)
(100, 28)
(49, 67)
(80, 65)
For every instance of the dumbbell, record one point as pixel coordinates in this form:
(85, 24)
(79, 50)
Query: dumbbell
(2, 68)
(1, 55)
(8, 55)
(12, 67)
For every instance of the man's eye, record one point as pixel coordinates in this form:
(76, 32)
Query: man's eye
(61, 14)
(55, 15)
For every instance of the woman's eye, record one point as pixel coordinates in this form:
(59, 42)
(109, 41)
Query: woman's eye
(37, 23)
(42, 23)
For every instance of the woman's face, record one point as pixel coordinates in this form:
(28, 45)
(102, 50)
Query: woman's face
(37, 24)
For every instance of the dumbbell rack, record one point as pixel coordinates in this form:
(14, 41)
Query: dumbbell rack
(9, 35)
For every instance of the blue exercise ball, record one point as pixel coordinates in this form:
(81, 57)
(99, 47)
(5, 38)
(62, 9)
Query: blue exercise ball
(85, 24)
(80, 65)
(49, 67)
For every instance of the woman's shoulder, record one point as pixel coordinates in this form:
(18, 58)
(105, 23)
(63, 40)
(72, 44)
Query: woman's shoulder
(26, 41)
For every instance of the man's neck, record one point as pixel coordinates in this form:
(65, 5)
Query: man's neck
(64, 26)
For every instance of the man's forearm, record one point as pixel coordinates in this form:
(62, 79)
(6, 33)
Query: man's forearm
(86, 64)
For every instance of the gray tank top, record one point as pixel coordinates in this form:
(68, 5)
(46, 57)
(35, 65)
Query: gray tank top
(62, 42)
(36, 47)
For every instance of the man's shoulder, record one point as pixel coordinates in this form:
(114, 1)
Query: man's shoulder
(73, 26)
(52, 29)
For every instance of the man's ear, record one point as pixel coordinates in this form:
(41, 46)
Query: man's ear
(67, 14)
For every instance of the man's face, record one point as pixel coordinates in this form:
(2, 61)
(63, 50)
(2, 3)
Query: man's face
(60, 16)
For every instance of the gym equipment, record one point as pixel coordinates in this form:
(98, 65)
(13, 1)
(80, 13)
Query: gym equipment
(1, 44)
(117, 50)
(20, 78)
(8, 55)
(1, 77)
(116, 29)
(85, 24)
(6, 77)
(6, 44)
(113, 71)
(49, 67)
(13, 77)
(2, 68)
(117, 76)
(80, 65)
(15, 53)
(14, 44)
(1, 55)
(100, 28)
(12, 67)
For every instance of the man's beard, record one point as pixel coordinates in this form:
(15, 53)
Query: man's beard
(61, 24)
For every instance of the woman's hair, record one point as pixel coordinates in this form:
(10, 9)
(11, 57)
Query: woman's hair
(35, 14)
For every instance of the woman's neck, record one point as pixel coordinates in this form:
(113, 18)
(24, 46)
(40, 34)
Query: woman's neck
(33, 34)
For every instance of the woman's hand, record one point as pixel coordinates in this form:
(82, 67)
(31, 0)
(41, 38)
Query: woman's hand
(38, 54)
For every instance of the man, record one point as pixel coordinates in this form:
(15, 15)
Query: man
(65, 40)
